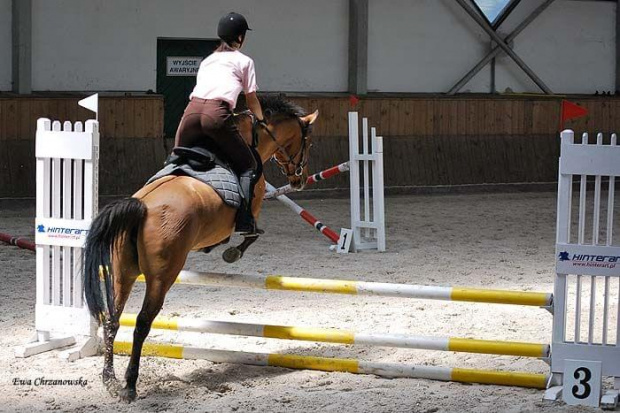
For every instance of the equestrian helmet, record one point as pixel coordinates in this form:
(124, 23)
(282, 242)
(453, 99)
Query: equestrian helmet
(231, 27)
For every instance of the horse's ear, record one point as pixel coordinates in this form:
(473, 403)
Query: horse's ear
(309, 119)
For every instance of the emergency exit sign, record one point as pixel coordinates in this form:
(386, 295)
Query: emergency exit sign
(182, 65)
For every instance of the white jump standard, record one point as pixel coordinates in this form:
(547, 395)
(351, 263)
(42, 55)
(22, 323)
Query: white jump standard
(67, 198)
(369, 231)
(367, 220)
(580, 260)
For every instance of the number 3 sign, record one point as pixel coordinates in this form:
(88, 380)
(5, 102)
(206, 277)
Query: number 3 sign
(582, 383)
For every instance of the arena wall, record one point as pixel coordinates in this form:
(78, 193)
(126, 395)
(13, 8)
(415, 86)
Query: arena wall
(112, 45)
(415, 47)
(428, 141)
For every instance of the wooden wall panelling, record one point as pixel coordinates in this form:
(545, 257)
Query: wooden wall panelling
(158, 118)
(140, 127)
(12, 120)
(398, 112)
(40, 109)
(25, 126)
(22, 166)
(3, 119)
(454, 144)
(418, 171)
(383, 123)
(6, 179)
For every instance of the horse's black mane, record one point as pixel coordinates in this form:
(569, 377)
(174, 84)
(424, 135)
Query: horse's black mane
(277, 105)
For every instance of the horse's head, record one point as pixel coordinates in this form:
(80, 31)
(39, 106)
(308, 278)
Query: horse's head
(286, 138)
(291, 147)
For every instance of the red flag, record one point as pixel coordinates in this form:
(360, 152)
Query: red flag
(571, 110)
(353, 101)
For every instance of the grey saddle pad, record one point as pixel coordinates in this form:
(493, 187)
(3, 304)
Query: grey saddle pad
(222, 180)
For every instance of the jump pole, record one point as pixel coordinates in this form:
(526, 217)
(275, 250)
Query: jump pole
(319, 176)
(317, 285)
(391, 370)
(18, 241)
(332, 335)
(307, 216)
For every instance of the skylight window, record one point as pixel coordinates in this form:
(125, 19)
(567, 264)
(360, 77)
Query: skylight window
(492, 9)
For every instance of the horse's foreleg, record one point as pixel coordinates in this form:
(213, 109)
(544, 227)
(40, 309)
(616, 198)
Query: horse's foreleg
(234, 254)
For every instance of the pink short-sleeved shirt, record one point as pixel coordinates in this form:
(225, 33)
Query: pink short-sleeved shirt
(223, 75)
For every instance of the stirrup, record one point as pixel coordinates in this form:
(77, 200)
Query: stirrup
(245, 224)
(248, 230)
(257, 231)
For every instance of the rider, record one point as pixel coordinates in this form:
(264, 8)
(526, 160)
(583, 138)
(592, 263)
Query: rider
(221, 78)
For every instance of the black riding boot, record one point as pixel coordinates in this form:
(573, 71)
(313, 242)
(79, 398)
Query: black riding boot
(246, 224)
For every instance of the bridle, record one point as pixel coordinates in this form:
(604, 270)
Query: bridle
(302, 153)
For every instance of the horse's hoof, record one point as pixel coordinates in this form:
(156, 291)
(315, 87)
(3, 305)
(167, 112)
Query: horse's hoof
(232, 254)
(206, 250)
(113, 386)
(127, 395)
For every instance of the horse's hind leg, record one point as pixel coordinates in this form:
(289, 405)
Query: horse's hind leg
(125, 270)
(160, 266)
(156, 290)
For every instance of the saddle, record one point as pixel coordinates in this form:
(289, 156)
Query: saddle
(199, 159)
(206, 166)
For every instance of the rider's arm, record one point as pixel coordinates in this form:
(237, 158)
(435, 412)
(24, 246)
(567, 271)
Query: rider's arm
(254, 105)
(249, 88)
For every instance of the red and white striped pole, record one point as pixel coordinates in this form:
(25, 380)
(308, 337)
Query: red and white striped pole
(17, 241)
(319, 176)
(308, 217)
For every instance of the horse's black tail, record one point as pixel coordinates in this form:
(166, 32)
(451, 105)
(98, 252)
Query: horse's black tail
(118, 219)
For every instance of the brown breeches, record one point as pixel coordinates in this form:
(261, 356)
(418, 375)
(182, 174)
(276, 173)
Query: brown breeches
(205, 122)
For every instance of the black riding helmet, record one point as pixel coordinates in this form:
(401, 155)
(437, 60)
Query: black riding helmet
(231, 27)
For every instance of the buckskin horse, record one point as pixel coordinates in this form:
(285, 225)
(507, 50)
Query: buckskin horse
(152, 232)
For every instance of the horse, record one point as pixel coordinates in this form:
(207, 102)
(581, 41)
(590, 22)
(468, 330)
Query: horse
(153, 231)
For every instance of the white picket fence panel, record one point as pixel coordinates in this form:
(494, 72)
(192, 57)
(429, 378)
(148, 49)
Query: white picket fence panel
(67, 159)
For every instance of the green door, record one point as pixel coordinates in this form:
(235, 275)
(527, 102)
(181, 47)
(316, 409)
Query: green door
(177, 64)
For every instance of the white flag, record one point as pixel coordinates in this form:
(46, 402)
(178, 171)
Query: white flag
(91, 103)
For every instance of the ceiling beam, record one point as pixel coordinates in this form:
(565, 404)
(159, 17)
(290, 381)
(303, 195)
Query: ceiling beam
(502, 44)
(496, 49)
